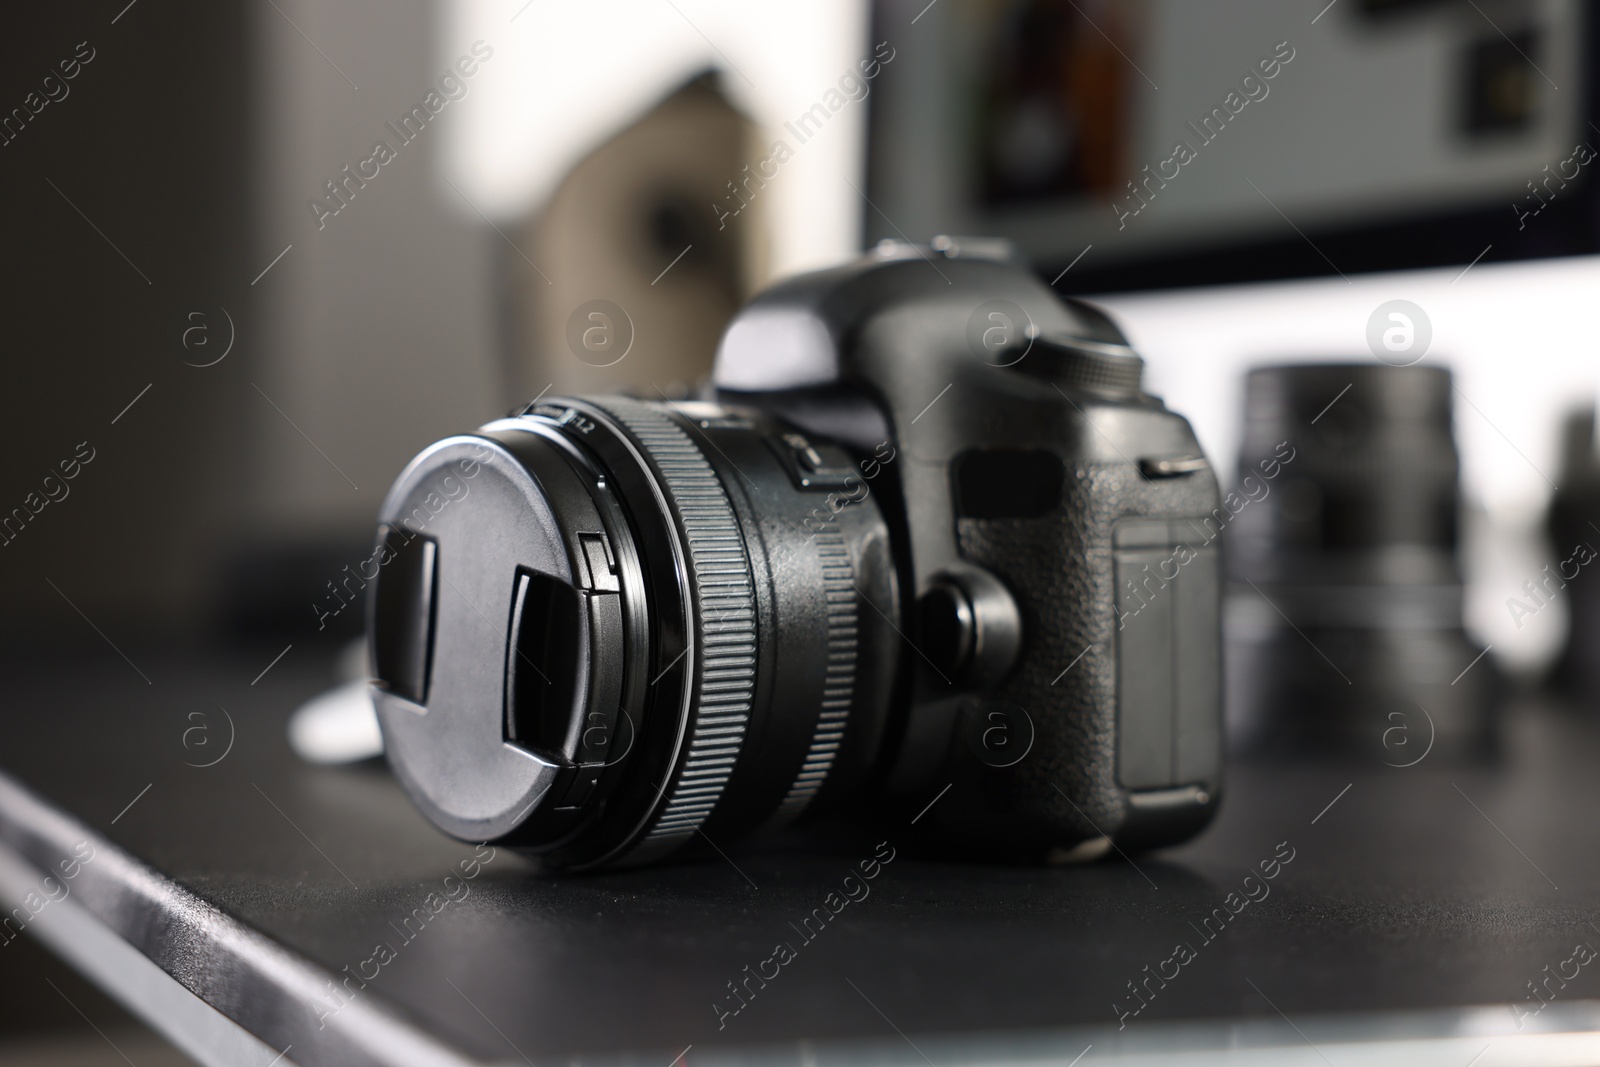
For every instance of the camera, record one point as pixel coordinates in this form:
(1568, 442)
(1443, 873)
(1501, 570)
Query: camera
(926, 545)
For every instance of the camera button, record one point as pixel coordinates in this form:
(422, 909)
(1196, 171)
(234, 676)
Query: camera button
(808, 458)
(969, 622)
(807, 467)
(1172, 467)
(1111, 369)
(946, 625)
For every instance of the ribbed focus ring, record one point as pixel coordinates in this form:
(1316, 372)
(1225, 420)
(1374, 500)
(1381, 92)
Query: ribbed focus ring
(725, 623)
(838, 684)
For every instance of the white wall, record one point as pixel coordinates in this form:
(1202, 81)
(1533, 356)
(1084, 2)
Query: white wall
(568, 76)
(376, 331)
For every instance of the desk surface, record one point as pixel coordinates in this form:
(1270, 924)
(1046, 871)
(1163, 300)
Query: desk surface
(1419, 901)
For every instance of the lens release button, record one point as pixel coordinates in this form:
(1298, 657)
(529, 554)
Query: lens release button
(969, 627)
(947, 626)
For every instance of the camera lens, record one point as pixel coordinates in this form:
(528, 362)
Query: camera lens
(1344, 620)
(606, 627)
(1574, 529)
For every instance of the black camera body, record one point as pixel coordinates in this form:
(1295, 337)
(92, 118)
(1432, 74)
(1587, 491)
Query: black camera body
(930, 542)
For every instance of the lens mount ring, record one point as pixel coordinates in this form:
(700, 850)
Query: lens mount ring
(722, 637)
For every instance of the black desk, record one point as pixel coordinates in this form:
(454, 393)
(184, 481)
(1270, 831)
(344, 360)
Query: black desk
(1415, 910)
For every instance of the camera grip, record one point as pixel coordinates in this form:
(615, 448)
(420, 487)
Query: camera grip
(1119, 590)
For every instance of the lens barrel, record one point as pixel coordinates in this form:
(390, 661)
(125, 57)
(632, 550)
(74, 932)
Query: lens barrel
(605, 628)
(1344, 616)
(1574, 527)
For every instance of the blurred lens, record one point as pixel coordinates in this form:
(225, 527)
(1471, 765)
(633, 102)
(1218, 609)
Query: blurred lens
(1574, 528)
(1344, 616)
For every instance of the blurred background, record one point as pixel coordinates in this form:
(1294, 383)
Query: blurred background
(259, 254)
(251, 339)
(203, 226)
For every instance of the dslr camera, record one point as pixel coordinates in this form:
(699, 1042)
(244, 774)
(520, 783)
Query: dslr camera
(926, 544)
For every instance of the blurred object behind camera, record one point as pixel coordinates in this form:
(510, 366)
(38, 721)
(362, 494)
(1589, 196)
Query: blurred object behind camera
(1344, 619)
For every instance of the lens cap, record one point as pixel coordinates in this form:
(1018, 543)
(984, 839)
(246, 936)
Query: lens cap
(496, 634)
